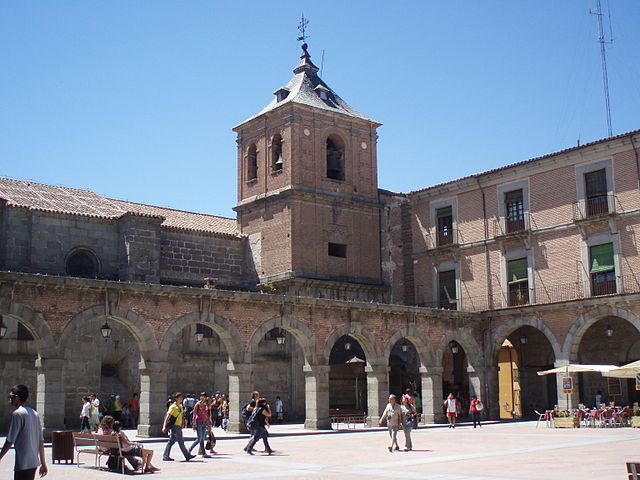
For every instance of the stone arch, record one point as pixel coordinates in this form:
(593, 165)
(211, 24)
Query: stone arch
(34, 322)
(507, 328)
(419, 340)
(302, 333)
(465, 338)
(585, 320)
(227, 332)
(365, 338)
(139, 328)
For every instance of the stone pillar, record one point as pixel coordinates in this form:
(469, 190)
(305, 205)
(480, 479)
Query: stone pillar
(432, 411)
(239, 394)
(153, 397)
(571, 400)
(491, 393)
(50, 394)
(316, 390)
(377, 392)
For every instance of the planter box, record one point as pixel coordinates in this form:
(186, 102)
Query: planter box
(566, 422)
(635, 422)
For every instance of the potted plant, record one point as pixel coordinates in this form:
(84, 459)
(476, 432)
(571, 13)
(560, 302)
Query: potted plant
(635, 420)
(564, 419)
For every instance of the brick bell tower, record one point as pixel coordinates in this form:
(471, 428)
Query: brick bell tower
(308, 194)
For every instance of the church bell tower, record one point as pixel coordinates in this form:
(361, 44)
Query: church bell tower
(308, 194)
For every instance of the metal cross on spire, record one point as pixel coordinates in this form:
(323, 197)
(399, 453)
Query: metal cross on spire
(302, 28)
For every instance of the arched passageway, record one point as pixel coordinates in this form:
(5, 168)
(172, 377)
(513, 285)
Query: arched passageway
(347, 377)
(455, 373)
(404, 368)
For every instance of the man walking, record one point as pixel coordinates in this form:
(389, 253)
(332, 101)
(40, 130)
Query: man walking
(173, 422)
(25, 434)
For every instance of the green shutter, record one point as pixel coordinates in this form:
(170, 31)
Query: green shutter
(602, 258)
(518, 271)
(447, 281)
(444, 212)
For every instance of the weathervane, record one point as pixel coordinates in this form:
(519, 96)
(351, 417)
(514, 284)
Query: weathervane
(302, 28)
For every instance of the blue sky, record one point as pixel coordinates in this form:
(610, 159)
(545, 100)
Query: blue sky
(136, 99)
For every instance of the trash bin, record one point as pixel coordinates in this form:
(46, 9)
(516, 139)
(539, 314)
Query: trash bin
(62, 446)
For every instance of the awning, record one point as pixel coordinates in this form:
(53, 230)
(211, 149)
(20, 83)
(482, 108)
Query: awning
(630, 370)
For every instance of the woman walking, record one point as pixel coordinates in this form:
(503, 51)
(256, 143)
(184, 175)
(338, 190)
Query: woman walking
(393, 416)
(475, 408)
(85, 414)
(452, 405)
(410, 421)
(201, 423)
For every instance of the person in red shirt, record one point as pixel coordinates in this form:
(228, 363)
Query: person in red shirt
(134, 406)
(475, 408)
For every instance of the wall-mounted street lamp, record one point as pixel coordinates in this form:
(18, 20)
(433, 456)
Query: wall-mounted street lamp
(347, 346)
(524, 339)
(454, 347)
(608, 331)
(199, 337)
(405, 346)
(105, 330)
(3, 328)
(280, 338)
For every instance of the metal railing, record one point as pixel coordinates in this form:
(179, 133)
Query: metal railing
(596, 206)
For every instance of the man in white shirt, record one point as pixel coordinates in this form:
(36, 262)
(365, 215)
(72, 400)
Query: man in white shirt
(25, 434)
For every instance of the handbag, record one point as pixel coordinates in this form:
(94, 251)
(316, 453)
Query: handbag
(479, 406)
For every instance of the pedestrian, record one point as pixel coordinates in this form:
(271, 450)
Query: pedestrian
(106, 426)
(134, 406)
(407, 393)
(173, 423)
(95, 412)
(215, 409)
(117, 408)
(188, 403)
(279, 408)
(393, 416)
(85, 414)
(410, 416)
(475, 408)
(452, 405)
(201, 424)
(109, 406)
(25, 435)
(247, 411)
(225, 412)
(258, 425)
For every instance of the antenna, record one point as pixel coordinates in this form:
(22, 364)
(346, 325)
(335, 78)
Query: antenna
(302, 28)
(603, 57)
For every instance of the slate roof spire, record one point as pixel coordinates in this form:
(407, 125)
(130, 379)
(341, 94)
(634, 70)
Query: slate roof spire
(307, 88)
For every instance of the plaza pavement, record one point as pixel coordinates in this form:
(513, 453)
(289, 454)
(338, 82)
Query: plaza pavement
(497, 451)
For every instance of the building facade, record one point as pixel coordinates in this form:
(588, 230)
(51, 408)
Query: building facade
(327, 290)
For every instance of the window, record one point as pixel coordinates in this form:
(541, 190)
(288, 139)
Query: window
(447, 290)
(337, 250)
(82, 263)
(445, 225)
(518, 282)
(514, 209)
(252, 163)
(603, 270)
(276, 154)
(596, 192)
(335, 159)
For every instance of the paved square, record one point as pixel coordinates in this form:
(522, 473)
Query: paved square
(494, 452)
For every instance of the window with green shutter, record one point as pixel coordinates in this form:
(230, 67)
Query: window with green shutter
(602, 270)
(445, 225)
(447, 287)
(518, 281)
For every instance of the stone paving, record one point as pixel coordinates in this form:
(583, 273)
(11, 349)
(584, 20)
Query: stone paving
(497, 451)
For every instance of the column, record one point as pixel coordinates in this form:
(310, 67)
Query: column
(153, 397)
(50, 395)
(432, 411)
(239, 394)
(377, 392)
(571, 400)
(491, 393)
(316, 391)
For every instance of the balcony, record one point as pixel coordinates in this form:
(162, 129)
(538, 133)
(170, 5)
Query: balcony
(596, 207)
(512, 226)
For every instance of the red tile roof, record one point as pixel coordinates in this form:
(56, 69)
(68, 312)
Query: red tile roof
(72, 201)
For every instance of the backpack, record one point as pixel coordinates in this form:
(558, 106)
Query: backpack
(253, 420)
(246, 413)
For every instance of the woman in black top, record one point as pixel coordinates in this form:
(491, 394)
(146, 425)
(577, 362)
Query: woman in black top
(257, 423)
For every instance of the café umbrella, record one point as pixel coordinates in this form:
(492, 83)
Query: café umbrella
(578, 368)
(630, 370)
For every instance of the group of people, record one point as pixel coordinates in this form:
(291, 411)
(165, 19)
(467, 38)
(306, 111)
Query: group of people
(110, 426)
(218, 404)
(404, 416)
(453, 409)
(92, 412)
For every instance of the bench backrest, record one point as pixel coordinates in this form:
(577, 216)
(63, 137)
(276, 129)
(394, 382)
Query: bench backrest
(83, 439)
(107, 441)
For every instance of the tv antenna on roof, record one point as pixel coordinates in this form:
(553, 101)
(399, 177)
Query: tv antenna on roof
(603, 57)
(302, 28)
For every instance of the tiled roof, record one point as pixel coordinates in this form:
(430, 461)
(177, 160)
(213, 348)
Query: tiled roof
(525, 162)
(72, 201)
(304, 88)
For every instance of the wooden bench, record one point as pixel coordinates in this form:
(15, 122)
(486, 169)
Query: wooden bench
(633, 469)
(350, 417)
(102, 445)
